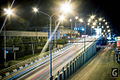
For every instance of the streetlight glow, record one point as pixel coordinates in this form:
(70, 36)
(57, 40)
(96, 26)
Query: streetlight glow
(88, 23)
(35, 9)
(66, 8)
(89, 20)
(70, 20)
(76, 17)
(109, 30)
(100, 19)
(8, 11)
(92, 17)
(107, 26)
(106, 23)
(102, 26)
(94, 23)
(104, 20)
(81, 20)
(62, 18)
(93, 26)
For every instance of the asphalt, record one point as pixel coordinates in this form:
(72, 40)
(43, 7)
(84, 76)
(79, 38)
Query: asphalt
(100, 67)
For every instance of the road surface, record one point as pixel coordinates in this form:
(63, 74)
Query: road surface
(99, 68)
(41, 72)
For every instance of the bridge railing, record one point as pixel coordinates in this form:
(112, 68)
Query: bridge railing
(76, 63)
(20, 65)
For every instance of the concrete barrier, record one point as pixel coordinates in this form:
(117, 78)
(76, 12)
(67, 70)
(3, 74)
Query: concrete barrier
(76, 63)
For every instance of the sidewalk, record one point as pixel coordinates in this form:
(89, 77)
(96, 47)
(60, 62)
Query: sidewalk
(99, 68)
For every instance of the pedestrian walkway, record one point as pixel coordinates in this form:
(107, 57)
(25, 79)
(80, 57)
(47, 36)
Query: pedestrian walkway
(99, 68)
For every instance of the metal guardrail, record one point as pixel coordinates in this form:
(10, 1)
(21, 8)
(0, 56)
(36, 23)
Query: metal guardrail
(24, 63)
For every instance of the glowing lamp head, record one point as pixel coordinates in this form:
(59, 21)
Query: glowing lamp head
(76, 17)
(70, 20)
(66, 8)
(8, 11)
(100, 19)
(89, 20)
(92, 17)
(62, 18)
(81, 20)
(94, 23)
(93, 26)
(35, 10)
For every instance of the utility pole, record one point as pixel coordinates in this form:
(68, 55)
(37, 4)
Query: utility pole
(33, 49)
(14, 52)
(4, 47)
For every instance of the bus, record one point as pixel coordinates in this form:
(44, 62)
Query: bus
(118, 49)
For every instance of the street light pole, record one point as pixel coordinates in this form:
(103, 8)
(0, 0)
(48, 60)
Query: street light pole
(4, 48)
(51, 77)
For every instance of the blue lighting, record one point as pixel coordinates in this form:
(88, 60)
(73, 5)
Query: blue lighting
(6, 52)
(83, 29)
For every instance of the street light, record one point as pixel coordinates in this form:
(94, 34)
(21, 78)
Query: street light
(103, 20)
(66, 8)
(89, 20)
(109, 30)
(94, 23)
(93, 26)
(100, 19)
(62, 17)
(92, 17)
(106, 23)
(35, 9)
(107, 26)
(81, 20)
(76, 17)
(71, 27)
(8, 11)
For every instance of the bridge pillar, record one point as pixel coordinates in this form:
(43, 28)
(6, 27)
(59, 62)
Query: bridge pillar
(63, 73)
(58, 76)
(66, 73)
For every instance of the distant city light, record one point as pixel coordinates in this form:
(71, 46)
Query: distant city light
(98, 31)
(88, 23)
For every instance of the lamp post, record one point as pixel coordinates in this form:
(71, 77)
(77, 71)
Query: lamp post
(61, 18)
(7, 12)
(71, 27)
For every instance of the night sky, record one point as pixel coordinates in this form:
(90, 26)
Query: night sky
(109, 9)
